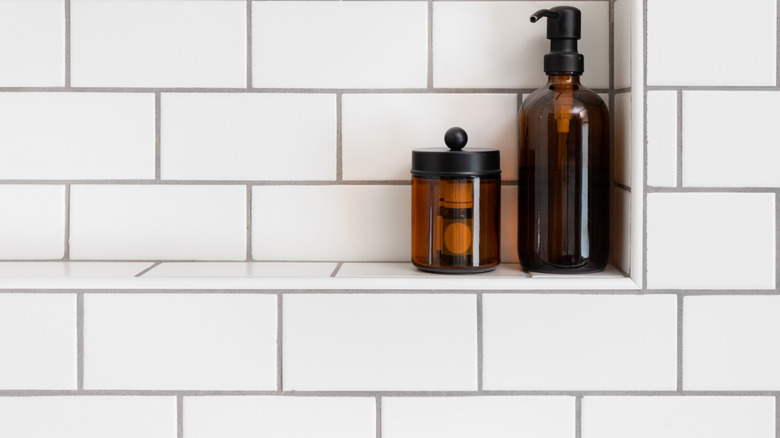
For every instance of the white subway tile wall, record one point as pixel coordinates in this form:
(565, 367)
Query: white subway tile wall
(38, 342)
(662, 138)
(32, 225)
(711, 241)
(239, 138)
(88, 416)
(574, 342)
(722, 50)
(464, 417)
(233, 136)
(731, 343)
(193, 222)
(289, 417)
(678, 417)
(331, 44)
(168, 43)
(743, 151)
(331, 223)
(389, 342)
(49, 136)
(33, 50)
(175, 341)
(489, 44)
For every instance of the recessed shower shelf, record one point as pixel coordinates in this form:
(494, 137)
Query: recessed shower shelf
(284, 276)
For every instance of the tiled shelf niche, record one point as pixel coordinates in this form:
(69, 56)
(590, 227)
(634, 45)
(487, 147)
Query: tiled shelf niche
(177, 193)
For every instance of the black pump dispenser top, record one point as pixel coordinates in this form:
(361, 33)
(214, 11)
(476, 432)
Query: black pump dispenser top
(563, 31)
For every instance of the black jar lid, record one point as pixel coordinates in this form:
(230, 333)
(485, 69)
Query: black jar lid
(453, 161)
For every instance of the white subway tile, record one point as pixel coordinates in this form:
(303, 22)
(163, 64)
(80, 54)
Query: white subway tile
(380, 342)
(38, 341)
(622, 40)
(71, 269)
(158, 222)
(164, 43)
(304, 44)
(623, 144)
(722, 51)
(248, 136)
(180, 341)
(740, 151)
(497, 417)
(731, 343)
(281, 417)
(580, 342)
(492, 44)
(621, 229)
(32, 225)
(76, 136)
(508, 240)
(662, 138)
(333, 223)
(381, 130)
(33, 49)
(243, 269)
(693, 237)
(88, 417)
(678, 417)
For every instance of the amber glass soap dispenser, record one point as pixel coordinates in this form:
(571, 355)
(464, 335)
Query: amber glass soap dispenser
(564, 159)
(456, 207)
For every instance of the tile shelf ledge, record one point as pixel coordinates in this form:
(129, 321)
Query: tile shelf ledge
(285, 276)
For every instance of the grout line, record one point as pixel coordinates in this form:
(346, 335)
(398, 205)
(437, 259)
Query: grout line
(366, 291)
(429, 81)
(214, 90)
(644, 145)
(713, 190)
(66, 248)
(578, 416)
(503, 393)
(679, 139)
(712, 88)
(67, 44)
(215, 182)
(378, 416)
(336, 271)
(777, 241)
(249, 43)
(249, 222)
(157, 135)
(680, 313)
(777, 416)
(339, 136)
(80, 341)
(480, 343)
(154, 265)
(179, 416)
(280, 342)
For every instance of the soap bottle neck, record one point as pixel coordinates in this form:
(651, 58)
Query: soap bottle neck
(565, 79)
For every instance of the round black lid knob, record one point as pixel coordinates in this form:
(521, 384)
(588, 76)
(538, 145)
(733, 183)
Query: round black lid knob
(456, 138)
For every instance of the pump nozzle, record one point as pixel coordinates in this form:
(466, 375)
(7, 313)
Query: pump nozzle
(543, 13)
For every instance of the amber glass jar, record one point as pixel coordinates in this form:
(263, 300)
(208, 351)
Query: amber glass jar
(456, 207)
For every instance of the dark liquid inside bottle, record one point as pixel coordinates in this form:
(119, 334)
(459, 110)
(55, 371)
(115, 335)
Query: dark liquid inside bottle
(564, 179)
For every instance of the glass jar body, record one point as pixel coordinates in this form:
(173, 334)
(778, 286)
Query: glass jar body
(456, 224)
